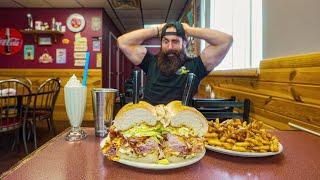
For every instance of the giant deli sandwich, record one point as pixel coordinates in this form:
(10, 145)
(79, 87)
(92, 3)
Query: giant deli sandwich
(156, 134)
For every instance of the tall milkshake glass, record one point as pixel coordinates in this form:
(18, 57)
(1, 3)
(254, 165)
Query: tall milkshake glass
(75, 96)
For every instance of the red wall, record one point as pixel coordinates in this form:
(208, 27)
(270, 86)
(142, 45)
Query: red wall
(16, 18)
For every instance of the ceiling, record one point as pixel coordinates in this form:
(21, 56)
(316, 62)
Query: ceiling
(126, 14)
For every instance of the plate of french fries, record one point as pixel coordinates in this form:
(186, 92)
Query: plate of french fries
(237, 138)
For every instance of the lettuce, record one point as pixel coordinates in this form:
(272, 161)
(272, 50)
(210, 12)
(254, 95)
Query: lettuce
(144, 131)
(157, 131)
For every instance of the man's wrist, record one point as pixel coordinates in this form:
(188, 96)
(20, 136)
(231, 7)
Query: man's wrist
(157, 31)
(188, 31)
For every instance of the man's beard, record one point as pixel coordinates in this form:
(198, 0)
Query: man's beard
(169, 62)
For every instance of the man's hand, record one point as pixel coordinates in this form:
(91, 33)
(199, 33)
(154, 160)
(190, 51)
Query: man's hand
(186, 28)
(159, 28)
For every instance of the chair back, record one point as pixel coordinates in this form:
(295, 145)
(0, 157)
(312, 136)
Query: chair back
(15, 97)
(46, 96)
(25, 80)
(223, 108)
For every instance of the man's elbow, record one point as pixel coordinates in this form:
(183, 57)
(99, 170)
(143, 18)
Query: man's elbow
(229, 40)
(120, 42)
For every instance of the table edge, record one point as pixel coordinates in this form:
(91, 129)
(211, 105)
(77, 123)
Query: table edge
(29, 156)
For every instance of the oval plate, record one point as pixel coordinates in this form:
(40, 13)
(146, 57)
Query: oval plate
(158, 166)
(243, 154)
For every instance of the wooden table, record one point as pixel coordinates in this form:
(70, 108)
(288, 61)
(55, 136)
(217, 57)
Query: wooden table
(59, 159)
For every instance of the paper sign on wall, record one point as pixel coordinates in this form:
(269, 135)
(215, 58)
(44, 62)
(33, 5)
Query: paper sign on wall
(79, 55)
(99, 59)
(61, 56)
(80, 43)
(28, 52)
(96, 44)
(95, 23)
(79, 62)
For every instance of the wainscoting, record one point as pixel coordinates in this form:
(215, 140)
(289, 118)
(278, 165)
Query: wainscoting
(282, 90)
(37, 76)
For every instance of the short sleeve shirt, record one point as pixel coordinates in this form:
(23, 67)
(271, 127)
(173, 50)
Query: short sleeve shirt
(161, 89)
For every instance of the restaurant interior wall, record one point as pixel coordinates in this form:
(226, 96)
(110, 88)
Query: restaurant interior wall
(290, 27)
(15, 65)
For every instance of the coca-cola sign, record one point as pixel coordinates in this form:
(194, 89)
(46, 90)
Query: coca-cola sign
(10, 41)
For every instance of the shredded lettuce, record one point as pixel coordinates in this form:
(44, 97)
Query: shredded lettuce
(157, 131)
(181, 131)
(144, 131)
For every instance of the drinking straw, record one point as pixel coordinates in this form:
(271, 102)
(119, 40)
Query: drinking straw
(86, 67)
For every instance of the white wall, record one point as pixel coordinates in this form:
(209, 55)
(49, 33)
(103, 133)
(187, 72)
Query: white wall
(290, 27)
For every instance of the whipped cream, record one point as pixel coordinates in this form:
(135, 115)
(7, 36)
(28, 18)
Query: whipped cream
(73, 82)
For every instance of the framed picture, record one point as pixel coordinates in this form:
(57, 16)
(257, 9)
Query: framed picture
(44, 41)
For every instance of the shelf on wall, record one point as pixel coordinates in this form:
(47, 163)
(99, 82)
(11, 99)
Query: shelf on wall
(36, 33)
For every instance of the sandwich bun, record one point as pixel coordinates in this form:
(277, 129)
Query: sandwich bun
(135, 114)
(148, 158)
(187, 116)
(176, 159)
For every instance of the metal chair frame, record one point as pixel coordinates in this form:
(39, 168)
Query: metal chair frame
(44, 103)
(14, 109)
(223, 108)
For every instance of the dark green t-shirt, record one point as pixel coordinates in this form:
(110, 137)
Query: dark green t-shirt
(161, 89)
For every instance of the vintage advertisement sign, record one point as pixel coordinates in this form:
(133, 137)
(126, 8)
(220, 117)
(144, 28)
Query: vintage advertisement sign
(28, 53)
(11, 41)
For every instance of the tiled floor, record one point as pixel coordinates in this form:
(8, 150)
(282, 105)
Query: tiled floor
(8, 158)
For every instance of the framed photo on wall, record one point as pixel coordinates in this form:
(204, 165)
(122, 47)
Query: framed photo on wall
(44, 41)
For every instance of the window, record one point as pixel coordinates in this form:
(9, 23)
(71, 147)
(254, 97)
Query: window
(243, 20)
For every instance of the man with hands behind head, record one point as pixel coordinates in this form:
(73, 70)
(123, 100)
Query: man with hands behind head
(167, 71)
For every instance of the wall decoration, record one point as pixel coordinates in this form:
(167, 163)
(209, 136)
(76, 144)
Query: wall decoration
(11, 41)
(79, 62)
(79, 55)
(61, 56)
(28, 52)
(45, 41)
(96, 45)
(65, 41)
(76, 22)
(45, 58)
(80, 43)
(99, 60)
(95, 23)
(191, 17)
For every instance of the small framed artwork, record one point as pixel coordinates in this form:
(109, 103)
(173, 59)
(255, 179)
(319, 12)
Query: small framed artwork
(44, 41)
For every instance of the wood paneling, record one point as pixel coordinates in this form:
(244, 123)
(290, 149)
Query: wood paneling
(37, 76)
(236, 72)
(297, 61)
(285, 90)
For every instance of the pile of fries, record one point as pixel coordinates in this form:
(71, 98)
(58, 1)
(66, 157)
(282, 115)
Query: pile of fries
(239, 136)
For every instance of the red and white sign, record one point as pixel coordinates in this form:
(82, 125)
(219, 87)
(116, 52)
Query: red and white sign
(11, 41)
(76, 22)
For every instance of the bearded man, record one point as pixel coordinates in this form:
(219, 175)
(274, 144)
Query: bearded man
(167, 71)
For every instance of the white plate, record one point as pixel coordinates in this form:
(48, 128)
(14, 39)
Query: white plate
(243, 154)
(158, 166)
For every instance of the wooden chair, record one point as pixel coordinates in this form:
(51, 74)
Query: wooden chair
(43, 105)
(223, 108)
(15, 97)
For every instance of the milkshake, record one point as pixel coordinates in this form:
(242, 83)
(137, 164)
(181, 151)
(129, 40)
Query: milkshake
(75, 96)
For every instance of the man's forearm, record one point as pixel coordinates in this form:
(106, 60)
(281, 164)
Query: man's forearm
(213, 37)
(137, 37)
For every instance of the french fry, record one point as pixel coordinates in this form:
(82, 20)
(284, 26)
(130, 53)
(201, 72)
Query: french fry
(227, 145)
(211, 135)
(231, 141)
(242, 144)
(214, 142)
(239, 148)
